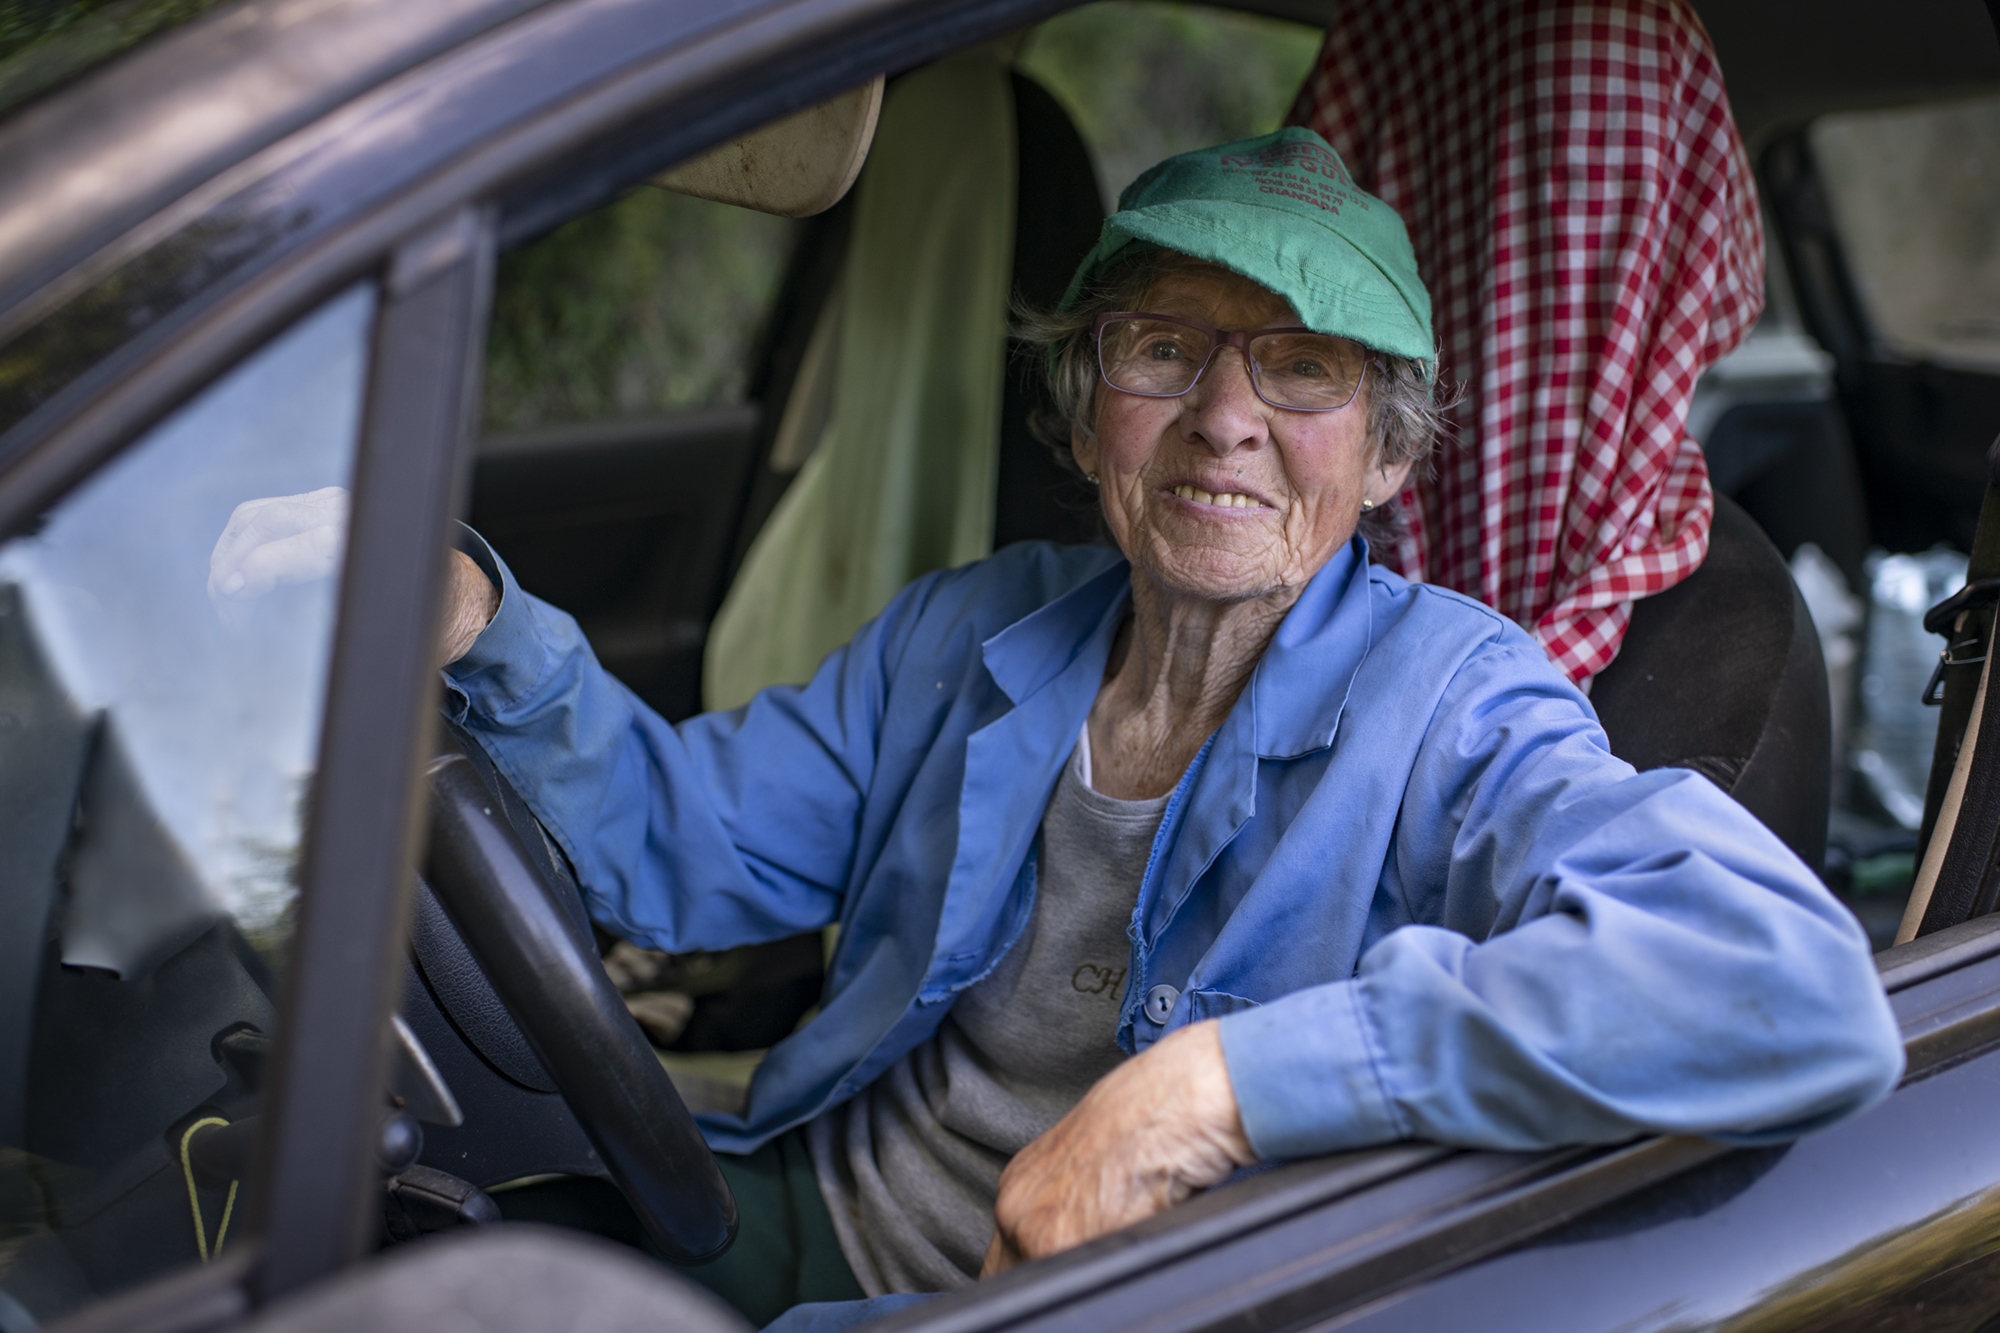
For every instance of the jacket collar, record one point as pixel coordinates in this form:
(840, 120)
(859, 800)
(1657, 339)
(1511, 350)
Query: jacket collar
(1300, 686)
(1035, 649)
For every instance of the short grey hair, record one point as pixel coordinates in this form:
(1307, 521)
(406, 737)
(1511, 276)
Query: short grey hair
(1406, 414)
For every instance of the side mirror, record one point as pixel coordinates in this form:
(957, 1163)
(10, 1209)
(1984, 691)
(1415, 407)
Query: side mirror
(794, 167)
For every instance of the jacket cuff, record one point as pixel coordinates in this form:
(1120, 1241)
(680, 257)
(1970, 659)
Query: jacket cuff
(1307, 1073)
(509, 658)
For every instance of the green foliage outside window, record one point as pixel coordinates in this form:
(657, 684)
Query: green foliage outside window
(1144, 81)
(646, 306)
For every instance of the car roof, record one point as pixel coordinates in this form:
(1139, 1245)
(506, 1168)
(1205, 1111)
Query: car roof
(205, 96)
(86, 162)
(94, 159)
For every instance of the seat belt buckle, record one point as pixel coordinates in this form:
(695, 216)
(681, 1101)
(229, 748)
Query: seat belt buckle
(1948, 618)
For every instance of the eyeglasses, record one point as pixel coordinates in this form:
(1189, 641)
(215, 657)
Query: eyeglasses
(1153, 356)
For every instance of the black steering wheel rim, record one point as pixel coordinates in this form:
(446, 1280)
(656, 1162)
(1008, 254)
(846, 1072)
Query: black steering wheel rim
(517, 914)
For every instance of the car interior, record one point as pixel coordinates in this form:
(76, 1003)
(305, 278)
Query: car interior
(661, 373)
(1726, 673)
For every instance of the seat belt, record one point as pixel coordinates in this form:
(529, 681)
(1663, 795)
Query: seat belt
(1956, 843)
(1956, 871)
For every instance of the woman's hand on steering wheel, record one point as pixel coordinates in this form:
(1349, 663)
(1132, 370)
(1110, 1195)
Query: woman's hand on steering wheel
(285, 539)
(470, 602)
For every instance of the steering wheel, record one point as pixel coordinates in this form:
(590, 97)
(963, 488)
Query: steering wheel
(547, 974)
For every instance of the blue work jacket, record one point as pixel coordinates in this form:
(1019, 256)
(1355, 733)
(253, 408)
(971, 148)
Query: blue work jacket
(1407, 873)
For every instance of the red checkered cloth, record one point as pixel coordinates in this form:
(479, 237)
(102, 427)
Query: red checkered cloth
(1586, 220)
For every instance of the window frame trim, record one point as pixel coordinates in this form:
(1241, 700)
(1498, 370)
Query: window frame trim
(316, 1203)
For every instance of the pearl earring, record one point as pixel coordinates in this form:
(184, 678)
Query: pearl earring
(1090, 477)
(1367, 505)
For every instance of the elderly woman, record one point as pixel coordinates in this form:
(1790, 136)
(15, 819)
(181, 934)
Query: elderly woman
(1221, 846)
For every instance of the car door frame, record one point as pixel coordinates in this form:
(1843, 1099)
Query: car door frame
(428, 229)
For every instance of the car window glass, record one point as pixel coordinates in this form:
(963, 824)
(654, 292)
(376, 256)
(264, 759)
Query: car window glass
(645, 307)
(1914, 193)
(1144, 81)
(158, 730)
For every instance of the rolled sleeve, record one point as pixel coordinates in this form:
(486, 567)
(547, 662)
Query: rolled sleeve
(511, 659)
(1307, 1074)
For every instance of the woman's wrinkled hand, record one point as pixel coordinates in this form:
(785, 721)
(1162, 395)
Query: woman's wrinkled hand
(1153, 1131)
(470, 601)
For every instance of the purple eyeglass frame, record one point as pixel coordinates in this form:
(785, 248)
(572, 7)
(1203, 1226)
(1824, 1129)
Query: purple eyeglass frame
(1217, 340)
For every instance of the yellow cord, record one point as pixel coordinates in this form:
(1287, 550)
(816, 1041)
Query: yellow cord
(194, 1198)
(228, 1207)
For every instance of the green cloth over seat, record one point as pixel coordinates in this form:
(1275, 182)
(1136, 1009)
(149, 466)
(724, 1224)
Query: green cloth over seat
(902, 479)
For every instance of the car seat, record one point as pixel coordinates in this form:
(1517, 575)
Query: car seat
(1056, 221)
(1058, 212)
(1722, 673)
(1057, 217)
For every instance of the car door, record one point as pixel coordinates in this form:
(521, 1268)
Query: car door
(223, 753)
(161, 738)
(201, 807)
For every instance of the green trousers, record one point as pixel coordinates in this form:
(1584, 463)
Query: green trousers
(786, 1252)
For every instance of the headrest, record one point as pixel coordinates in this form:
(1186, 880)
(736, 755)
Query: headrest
(794, 167)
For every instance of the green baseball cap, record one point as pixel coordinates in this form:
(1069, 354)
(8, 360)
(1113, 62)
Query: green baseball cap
(1282, 211)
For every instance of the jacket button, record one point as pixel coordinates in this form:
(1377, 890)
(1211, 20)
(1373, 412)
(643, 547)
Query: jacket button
(1160, 1002)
